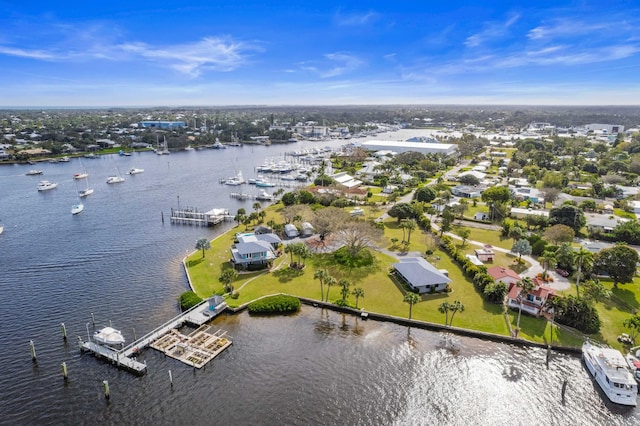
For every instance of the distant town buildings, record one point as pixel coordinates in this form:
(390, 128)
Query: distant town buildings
(159, 124)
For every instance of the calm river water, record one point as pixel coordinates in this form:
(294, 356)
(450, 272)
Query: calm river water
(118, 261)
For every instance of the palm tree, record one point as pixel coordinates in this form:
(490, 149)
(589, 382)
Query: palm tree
(456, 306)
(411, 299)
(584, 259)
(526, 286)
(289, 248)
(203, 244)
(410, 225)
(321, 275)
(345, 289)
(547, 259)
(227, 277)
(403, 226)
(257, 206)
(358, 292)
(303, 253)
(444, 308)
(330, 282)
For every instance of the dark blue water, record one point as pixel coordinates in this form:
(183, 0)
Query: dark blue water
(118, 261)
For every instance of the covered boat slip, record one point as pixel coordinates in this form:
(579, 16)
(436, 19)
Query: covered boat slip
(195, 349)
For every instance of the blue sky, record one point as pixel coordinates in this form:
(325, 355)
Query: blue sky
(139, 53)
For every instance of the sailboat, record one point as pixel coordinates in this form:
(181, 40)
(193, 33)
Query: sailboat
(77, 208)
(86, 191)
(82, 175)
(117, 178)
(164, 150)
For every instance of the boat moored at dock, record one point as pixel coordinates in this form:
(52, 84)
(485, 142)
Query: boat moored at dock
(108, 336)
(610, 371)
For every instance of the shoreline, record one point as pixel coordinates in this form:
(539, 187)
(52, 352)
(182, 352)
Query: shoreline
(425, 325)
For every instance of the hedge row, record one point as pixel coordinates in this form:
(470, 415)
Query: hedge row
(491, 291)
(279, 304)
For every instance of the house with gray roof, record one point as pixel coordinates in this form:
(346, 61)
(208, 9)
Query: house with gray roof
(250, 251)
(420, 275)
(598, 223)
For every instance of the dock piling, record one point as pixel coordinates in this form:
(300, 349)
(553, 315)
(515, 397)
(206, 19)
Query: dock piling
(64, 331)
(93, 319)
(134, 335)
(162, 217)
(33, 350)
(107, 394)
(170, 379)
(64, 371)
(80, 343)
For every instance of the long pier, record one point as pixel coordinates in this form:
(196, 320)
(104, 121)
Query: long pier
(126, 357)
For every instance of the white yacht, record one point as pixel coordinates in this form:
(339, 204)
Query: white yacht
(34, 172)
(235, 180)
(117, 178)
(134, 171)
(610, 370)
(45, 185)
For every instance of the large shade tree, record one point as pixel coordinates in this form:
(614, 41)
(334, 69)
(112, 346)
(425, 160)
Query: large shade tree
(619, 262)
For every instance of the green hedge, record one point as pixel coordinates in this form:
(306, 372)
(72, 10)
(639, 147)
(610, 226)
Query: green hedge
(275, 305)
(188, 300)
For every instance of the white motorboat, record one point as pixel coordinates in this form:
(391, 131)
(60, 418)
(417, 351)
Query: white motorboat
(610, 370)
(77, 208)
(134, 171)
(82, 175)
(633, 360)
(108, 336)
(34, 172)
(1, 228)
(264, 196)
(45, 185)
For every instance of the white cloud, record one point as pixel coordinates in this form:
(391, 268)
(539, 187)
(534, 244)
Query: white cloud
(355, 20)
(491, 31)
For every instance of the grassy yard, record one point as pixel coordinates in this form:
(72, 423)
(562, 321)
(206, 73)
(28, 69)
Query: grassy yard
(384, 294)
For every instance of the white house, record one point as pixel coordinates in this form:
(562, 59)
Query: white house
(485, 254)
(420, 275)
(532, 302)
(249, 250)
(481, 216)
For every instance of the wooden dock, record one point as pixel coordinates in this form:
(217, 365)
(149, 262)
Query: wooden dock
(192, 216)
(196, 316)
(195, 349)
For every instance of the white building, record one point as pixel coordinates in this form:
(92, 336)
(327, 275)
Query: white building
(421, 147)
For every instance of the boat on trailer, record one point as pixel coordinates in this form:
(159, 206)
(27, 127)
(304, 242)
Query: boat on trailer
(611, 372)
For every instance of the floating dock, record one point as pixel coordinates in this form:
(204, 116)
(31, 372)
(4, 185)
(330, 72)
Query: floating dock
(195, 349)
(202, 345)
(192, 216)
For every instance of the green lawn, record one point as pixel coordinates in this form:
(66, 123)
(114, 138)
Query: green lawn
(385, 295)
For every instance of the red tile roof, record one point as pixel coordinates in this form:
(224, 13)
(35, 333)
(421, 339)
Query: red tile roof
(498, 272)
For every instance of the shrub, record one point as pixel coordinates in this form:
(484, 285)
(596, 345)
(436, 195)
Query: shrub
(577, 313)
(345, 258)
(188, 300)
(235, 295)
(279, 304)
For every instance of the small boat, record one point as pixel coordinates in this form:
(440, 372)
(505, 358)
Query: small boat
(77, 208)
(611, 372)
(1, 228)
(235, 180)
(64, 159)
(115, 178)
(108, 336)
(218, 145)
(189, 148)
(264, 196)
(34, 172)
(263, 183)
(85, 192)
(134, 171)
(82, 175)
(91, 156)
(45, 185)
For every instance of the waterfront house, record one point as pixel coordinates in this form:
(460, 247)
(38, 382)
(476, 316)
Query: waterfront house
(485, 254)
(420, 275)
(250, 252)
(503, 275)
(533, 302)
